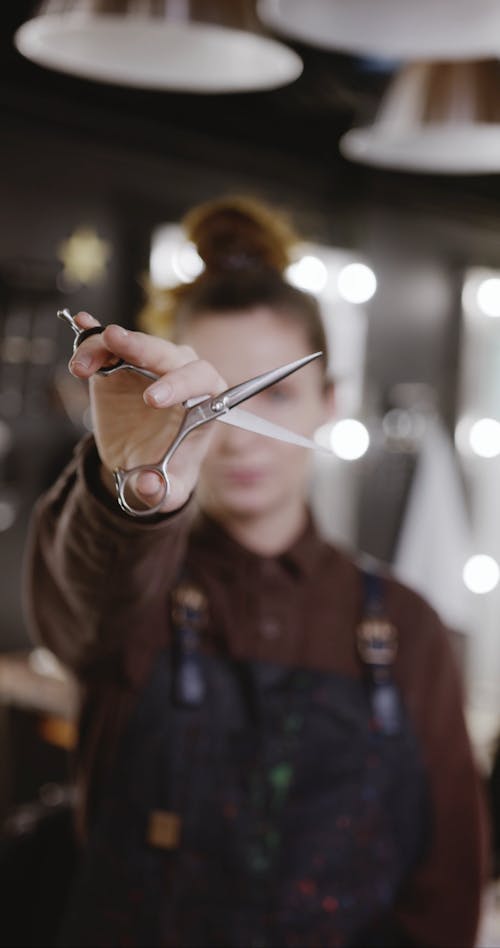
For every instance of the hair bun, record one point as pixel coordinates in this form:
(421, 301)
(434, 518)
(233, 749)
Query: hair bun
(239, 233)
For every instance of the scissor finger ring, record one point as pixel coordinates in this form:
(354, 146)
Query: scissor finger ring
(82, 334)
(126, 482)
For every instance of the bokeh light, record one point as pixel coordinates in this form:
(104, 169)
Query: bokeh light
(481, 574)
(309, 274)
(356, 283)
(349, 439)
(484, 437)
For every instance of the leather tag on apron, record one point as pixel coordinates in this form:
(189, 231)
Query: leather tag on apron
(164, 829)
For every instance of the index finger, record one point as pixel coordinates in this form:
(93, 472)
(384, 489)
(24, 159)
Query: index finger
(86, 320)
(146, 351)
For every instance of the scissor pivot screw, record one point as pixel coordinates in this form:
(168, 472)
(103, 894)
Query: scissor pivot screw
(218, 404)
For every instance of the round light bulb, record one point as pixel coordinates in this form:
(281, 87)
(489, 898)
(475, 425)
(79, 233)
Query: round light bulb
(349, 439)
(484, 437)
(160, 265)
(186, 262)
(356, 283)
(309, 273)
(481, 574)
(488, 297)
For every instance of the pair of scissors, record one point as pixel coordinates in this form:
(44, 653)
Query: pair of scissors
(199, 411)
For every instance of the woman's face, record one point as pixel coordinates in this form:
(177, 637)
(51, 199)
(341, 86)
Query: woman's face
(246, 475)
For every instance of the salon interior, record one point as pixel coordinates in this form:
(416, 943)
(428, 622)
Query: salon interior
(380, 136)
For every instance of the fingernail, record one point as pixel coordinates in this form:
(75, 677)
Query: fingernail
(158, 394)
(85, 319)
(81, 361)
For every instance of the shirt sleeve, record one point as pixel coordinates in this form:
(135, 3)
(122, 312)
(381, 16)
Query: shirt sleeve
(96, 580)
(440, 907)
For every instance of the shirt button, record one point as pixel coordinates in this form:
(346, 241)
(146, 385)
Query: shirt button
(270, 628)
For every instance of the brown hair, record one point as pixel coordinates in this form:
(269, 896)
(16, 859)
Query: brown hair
(245, 247)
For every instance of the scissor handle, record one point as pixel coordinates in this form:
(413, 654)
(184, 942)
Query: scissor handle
(95, 330)
(126, 481)
(82, 334)
(105, 369)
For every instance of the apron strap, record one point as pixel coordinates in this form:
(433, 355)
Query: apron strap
(377, 643)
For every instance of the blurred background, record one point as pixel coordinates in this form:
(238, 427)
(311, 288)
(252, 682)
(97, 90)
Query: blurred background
(376, 126)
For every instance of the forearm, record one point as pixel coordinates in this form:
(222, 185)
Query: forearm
(94, 577)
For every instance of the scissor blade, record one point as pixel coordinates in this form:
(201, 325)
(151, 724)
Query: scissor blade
(239, 393)
(250, 422)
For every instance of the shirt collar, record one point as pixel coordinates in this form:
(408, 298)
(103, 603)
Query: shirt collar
(303, 555)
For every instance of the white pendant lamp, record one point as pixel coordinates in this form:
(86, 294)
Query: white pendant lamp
(441, 118)
(202, 46)
(390, 29)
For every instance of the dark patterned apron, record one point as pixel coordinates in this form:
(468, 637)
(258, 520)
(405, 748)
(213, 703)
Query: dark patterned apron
(256, 805)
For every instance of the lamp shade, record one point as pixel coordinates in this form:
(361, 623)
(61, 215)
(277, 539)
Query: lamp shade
(392, 29)
(202, 46)
(435, 118)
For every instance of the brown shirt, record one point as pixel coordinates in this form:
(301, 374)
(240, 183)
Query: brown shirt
(97, 595)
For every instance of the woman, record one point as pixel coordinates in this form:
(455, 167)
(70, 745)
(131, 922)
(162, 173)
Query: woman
(253, 772)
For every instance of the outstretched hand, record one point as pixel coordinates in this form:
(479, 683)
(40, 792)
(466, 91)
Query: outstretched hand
(134, 421)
